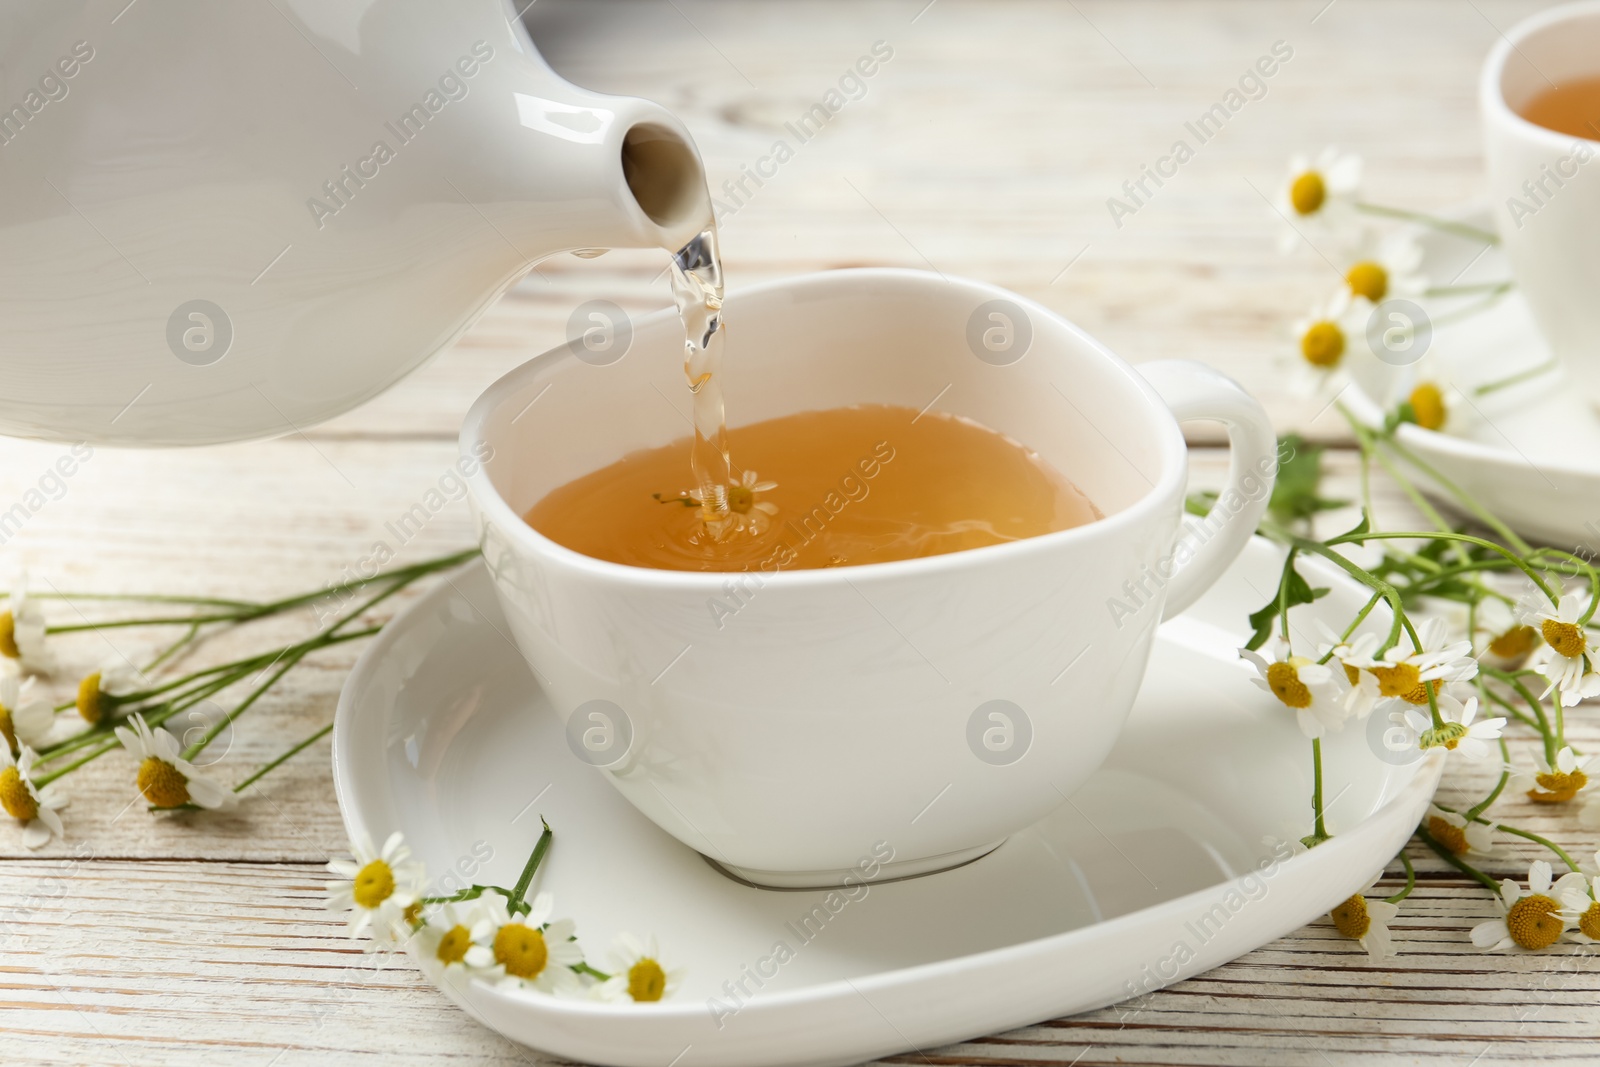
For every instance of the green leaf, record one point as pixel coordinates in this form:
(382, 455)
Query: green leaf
(1293, 591)
(1364, 526)
(1294, 494)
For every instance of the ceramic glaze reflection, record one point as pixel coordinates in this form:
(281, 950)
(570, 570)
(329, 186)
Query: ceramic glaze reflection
(865, 484)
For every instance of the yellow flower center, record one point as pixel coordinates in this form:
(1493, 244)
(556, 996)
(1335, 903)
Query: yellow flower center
(1589, 921)
(1369, 280)
(520, 949)
(15, 796)
(1448, 834)
(1352, 673)
(373, 885)
(740, 498)
(1557, 787)
(1565, 637)
(1402, 680)
(1535, 922)
(454, 944)
(1351, 918)
(8, 729)
(8, 636)
(1322, 344)
(1307, 193)
(163, 784)
(1427, 404)
(413, 913)
(1447, 736)
(1284, 681)
(90, 704)
(646, 980)
(1514, 643)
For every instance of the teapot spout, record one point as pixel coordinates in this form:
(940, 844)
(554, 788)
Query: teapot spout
(587, 170)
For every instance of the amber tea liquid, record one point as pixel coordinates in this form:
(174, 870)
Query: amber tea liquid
(1572, 108)
(864, 484)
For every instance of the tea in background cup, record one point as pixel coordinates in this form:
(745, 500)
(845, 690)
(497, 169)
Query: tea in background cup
(1540, 99)
(790, 724)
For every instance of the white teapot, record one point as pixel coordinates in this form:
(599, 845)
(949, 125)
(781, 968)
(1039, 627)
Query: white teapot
(225, 220)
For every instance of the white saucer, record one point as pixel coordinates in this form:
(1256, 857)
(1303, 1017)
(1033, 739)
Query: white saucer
(1156, 870)
(1530, 453)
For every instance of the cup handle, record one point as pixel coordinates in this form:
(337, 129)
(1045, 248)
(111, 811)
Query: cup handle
(1195, 391)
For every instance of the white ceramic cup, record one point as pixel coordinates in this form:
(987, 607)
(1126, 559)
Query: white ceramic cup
(1545, 186)
(886, 719)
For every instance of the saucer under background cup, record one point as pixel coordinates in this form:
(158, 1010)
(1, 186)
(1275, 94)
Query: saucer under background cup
(1157, 869)
(1530, 453)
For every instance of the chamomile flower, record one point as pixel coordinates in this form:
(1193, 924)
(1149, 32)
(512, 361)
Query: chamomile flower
(746, 510)
(1462, 731)
(1330, 332)
(377, 888)
(1302, 684)
(1556, 784)
(1532, 919)
(22, 629)
(637, 973)
(25, 716)
(1365, 920)
(1401, 672)
(1318, 196)
(35, 808)
(166, 779)
(1430, 408)
(453, 943)
(1354, 659)
(1568, 658)
(530, 951)
(98, 690)
(1499, 637)
(1580, 907)
(1385, 268)
(1462, 836)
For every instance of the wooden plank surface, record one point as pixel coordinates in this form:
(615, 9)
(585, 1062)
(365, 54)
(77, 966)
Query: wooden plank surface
(987, 146)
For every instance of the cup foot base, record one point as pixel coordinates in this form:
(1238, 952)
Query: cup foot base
(893, 871)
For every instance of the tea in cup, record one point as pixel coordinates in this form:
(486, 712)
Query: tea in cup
(788, 721)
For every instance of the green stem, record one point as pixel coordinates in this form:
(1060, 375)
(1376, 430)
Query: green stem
(1283, 595)
(1319, 829)
(174, 648)
(1526, 835)
(514, 905)
(1446, 535)
(1516, 379)
(1371, 581)
(1494, 794)
(1411, 881)
(155, 715)
(1458, 863)
(1473, 287)
(1537, 705)
(1506, 705)
(302, 746)
(244, 705)
(584, 968)
(472, 892)
(1470, 310)
(1461, 496)
(1460, 229)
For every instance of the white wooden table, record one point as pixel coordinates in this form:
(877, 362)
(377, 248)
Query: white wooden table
(987, 146)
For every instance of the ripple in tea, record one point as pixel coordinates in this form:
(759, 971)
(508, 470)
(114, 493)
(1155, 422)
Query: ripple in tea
(864, 484)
